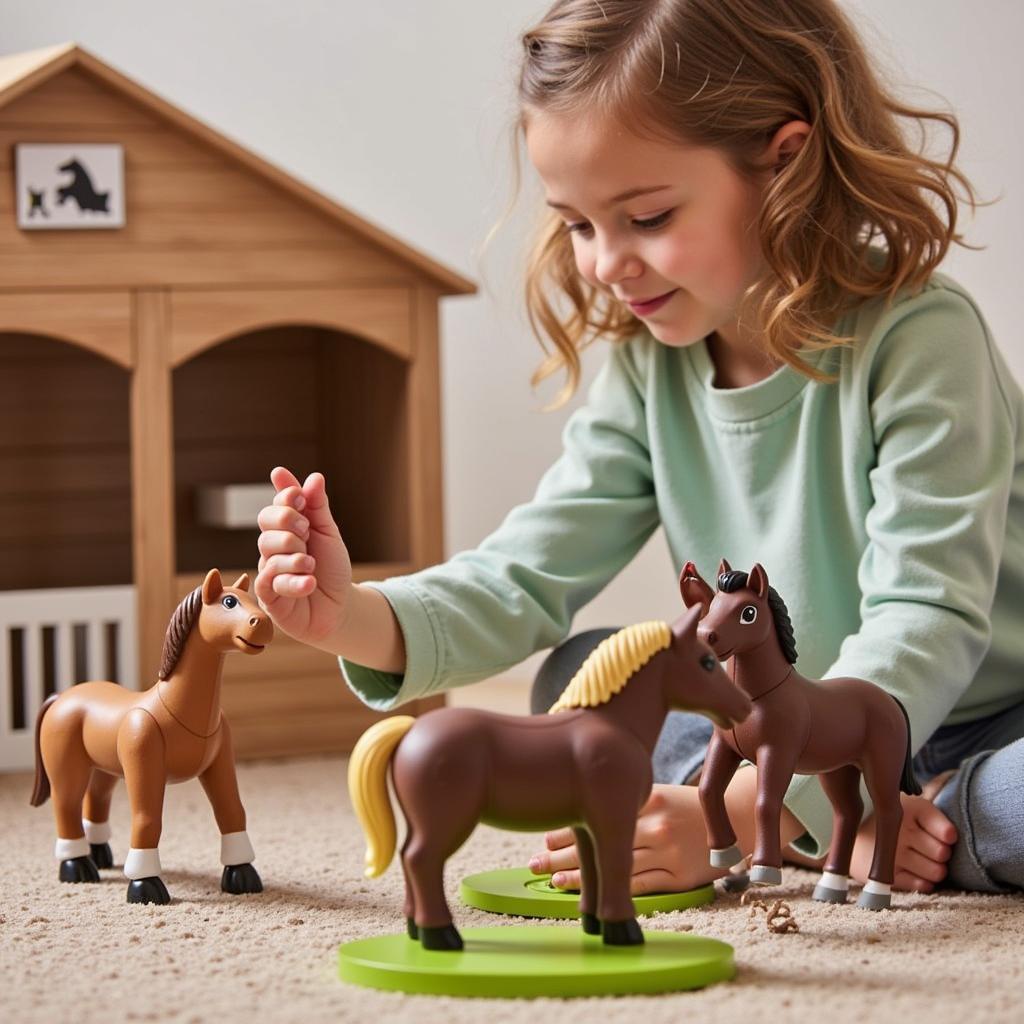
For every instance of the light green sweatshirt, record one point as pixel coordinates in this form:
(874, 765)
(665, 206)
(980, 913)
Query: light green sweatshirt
(887, 508)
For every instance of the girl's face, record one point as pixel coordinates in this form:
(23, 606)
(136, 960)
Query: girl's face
(668, 229)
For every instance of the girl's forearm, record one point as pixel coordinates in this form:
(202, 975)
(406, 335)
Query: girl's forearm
(368, 632)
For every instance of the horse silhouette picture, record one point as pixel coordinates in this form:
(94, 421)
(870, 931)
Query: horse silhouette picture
(81, 189)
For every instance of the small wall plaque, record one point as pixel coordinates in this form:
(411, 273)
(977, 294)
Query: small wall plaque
(69, 185)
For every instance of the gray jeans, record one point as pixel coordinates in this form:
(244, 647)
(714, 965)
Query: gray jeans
(984, 798)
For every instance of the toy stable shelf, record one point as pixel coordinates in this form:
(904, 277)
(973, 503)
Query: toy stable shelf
(236, 321)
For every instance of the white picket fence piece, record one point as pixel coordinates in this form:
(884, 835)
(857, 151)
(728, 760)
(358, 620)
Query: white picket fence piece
(72, 625)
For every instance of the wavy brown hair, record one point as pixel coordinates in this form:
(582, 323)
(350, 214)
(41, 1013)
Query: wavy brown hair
(728, 74)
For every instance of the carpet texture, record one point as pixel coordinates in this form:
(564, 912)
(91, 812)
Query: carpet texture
(80, 953)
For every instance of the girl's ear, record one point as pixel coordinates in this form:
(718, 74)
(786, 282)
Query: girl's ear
(785, 144)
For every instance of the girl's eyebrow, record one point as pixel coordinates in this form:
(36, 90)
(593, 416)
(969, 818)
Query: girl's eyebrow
(622, 197)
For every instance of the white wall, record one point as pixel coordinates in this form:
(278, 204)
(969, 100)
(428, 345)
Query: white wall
(401, 111)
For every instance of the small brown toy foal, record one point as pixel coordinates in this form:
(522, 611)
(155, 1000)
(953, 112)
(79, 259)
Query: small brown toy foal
(834, 728)
(89, 735)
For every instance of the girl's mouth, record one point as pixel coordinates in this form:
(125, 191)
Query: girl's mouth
(649, 306)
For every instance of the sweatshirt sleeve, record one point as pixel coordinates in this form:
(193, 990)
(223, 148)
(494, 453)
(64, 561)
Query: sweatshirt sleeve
(487, 609)
(944, 435)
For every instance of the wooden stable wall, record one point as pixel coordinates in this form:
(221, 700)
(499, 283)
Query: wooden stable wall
(222, 256)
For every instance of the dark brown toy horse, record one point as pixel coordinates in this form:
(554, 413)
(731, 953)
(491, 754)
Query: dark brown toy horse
(587, 765)
(95, 732)
(838, 729)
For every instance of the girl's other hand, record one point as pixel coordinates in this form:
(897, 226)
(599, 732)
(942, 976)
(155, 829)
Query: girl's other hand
(669, 851)
(925, 845)
(305, 573)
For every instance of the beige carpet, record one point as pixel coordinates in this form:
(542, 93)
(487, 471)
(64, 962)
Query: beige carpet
(81, 954)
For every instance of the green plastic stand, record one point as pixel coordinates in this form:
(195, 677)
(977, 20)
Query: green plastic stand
(520, 893)
(509, 961)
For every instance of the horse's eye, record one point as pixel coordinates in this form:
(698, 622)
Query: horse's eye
(230, 601)
(748, 615)
(708, 663)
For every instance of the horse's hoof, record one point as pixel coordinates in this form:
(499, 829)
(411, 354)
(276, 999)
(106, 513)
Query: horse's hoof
(411, 930)
(446, 938)
(737, 881)
(148, 890)
(78, 869)
(623, 933)
(826, 894)
(874, 901)
(591, 925)
(240, 878)
(763, 874)
(101, 855)
(726, 857)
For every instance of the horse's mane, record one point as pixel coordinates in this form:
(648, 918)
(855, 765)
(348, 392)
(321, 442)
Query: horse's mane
(178, 629)
(612, 664)
(734, 580)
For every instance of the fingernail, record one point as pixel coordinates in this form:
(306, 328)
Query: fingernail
(558, 879)
(300, 503)
(535, 865)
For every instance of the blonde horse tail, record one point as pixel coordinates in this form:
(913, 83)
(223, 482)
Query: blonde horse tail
(41, 790)
(368, 789)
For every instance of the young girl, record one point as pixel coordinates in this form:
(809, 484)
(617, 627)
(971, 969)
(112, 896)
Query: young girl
(733, 205)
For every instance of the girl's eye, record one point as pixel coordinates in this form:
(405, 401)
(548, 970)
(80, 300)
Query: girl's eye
(748, 615)
(579, 228)
(653, 223)
(230, 601)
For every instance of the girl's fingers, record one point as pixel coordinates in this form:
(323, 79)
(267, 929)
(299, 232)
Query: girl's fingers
(280, 542)
(912, 883)
(559, 838)
(918, 866)
(288, 585)
(281, 517)
(566, 880)
(283, 478)
(551, 861)
(656, 880)
(936, 824)
(316, 508)
(928, 846)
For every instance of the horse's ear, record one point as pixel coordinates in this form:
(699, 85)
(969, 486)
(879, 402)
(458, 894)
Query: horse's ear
(242, 583)
(758, 580)
(694, 589)
(213, 586)
(688, 625)
(724, 566)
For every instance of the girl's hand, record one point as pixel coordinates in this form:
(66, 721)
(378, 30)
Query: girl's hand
(669, 849)
(305, 573)
(925, 845)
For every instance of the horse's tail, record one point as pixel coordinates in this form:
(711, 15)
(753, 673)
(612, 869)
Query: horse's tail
(41, 790)
(368, 788)
(908, 781)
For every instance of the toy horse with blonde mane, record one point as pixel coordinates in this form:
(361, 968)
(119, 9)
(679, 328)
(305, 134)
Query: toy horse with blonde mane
(837, 729)
(586, 765)
(91, 734)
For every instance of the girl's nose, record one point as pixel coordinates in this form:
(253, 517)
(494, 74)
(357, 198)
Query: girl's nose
(615, 262)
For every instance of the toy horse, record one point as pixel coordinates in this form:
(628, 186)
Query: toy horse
(94, 732)
(588, 765)
(837, 729)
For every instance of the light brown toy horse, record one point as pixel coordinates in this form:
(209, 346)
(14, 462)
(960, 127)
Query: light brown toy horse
(95, 732)
(587, 765)
(834, 728)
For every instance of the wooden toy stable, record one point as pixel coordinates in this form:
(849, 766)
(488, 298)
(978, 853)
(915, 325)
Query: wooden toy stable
(238, 320)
